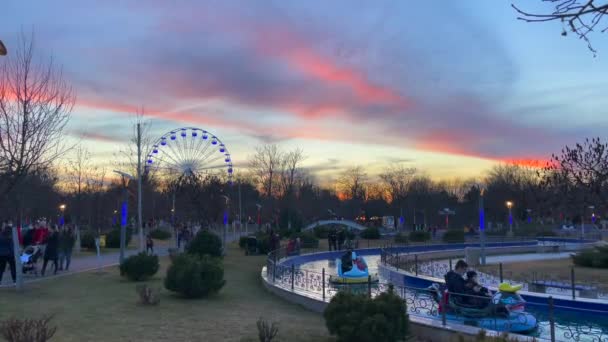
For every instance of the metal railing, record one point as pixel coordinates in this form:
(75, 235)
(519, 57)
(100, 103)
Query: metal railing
(422, 301)
(493, 275)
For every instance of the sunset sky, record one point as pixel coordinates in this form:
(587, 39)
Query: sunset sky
(450, 87)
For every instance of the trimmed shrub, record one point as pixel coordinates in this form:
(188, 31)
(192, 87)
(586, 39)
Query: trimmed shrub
(87, 240)
(193, 276)
(308, 240)
(139, 267)
(205, 243)
(321, 232)
(453, 236)
(354, 317)
(263, 242)
(113, 238)
(596, 257)
(160, 234)
(371, 233)
(401, 238)
(419, 236)
(243, 242)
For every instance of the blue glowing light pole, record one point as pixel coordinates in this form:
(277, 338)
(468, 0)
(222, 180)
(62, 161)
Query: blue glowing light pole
(482, 227)
(123, 226)
(225, 222)
(529, 211)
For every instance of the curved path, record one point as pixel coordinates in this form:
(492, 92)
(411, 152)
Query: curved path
(89, 262)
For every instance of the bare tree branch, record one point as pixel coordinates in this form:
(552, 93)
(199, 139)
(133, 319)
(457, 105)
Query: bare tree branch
(35, 106)
(581, 17)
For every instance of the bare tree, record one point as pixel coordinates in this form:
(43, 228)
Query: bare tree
(126, 160)
(265, 164)
(290, 171)
(581, 172)
(35, 105)
(396, 180)
(352, 183)
(582, 17)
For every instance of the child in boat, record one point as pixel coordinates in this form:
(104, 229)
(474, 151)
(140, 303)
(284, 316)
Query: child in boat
(473, 287)
(476, 291)
(360, 264)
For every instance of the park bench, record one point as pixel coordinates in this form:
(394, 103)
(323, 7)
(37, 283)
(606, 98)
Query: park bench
(541, 286)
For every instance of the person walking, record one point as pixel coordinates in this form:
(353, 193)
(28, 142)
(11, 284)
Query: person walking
(7, 252)
(51, 250)
(66, 245)
(149, 244)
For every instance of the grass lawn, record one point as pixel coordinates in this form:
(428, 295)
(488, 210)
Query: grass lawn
(558, 269)
(102, 307)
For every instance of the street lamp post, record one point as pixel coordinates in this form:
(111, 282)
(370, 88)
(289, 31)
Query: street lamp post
(482, 226)
(259, 218)
(447, 212)
(583, 220)
(510, 205)
(62, 209)
(123, 213)
(225, 221)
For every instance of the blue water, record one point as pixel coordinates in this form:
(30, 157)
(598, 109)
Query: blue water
(570, 325)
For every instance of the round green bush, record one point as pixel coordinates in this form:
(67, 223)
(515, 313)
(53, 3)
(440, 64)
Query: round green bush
(263, 243)
(371, 233)
(139, 267)
(160, 234)
(419, 236)
(243, 242)
(596, 257)
(354, 317)
(113, 238)
(321, 232)
(193, 276)
(307, 239)
(87, 240)
(453, 236)
(401, 238)
(205, 243)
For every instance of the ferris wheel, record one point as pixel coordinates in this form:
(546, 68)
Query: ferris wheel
(189, 151)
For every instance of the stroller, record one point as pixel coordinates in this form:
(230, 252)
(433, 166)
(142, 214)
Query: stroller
(29, 259)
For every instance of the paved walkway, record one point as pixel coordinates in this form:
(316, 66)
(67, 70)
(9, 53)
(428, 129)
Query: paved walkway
(85, 263)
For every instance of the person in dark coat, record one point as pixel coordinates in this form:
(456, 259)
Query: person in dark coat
(7, 255)
(51, 250)
(66, 245)
(455, 282)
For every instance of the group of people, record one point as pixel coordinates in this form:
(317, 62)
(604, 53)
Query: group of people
(462, 281)
(336, 240)
(56, 245)
(293, 246)
(184, 234)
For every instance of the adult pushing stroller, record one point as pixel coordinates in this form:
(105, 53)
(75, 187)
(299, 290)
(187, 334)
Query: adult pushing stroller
(29, 259)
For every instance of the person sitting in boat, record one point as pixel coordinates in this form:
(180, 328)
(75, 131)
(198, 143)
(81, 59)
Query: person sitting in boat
(476, 291)
(455, 282)
(347, 261)
(361, 265)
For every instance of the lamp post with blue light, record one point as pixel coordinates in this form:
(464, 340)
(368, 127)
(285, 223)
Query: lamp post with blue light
(482, 225)
(62, 221)
(125, 177)
(225, 221)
